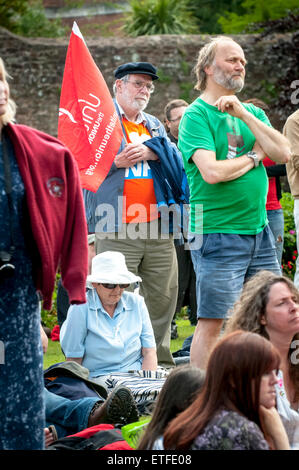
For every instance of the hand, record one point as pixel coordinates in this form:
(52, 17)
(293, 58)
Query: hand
(139, 152)
(44, 339)
(232, 106)
(134, 153)
(273, 428)
(121, 160)
(49, 438)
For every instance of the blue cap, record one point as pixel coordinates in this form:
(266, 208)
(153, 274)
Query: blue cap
(144, 68)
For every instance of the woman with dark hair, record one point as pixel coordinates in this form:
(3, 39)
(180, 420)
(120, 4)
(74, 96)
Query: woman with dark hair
(236, 408)
(179, 390)
(269, 306)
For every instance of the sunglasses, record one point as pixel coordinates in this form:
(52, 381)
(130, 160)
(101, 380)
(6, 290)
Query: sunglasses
(112, 286)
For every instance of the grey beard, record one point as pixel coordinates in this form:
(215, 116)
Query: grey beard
(140, 106)
(228, 82)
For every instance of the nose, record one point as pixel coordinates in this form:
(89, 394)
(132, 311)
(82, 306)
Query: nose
(293, 305)
(117, 289)
(273, 377)
(240, 66)
(3, 88)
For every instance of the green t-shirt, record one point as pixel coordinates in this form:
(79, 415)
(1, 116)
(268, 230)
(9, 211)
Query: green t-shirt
(237, 206)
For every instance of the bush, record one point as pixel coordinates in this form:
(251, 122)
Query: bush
(148, 17)
(257, 14)
(27, 18)
(49, 317)
(289, 254)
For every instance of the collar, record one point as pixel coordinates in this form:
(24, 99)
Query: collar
(140, 118)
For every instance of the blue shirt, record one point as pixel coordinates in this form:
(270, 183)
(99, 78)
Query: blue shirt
(108, 344)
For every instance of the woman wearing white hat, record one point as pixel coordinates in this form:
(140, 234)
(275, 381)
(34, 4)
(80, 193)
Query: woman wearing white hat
(111, 335)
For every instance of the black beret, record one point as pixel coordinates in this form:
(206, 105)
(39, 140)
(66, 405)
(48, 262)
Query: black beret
(144, 68)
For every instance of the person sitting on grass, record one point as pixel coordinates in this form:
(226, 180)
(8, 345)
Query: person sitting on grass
(236, 408)
(111, 335)
(180, 389)
(65, 417)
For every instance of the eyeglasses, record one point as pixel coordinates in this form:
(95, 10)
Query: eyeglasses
(139, 85)
(112, 286)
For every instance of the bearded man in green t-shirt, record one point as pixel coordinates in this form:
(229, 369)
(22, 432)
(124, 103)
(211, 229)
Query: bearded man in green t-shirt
(223, 142)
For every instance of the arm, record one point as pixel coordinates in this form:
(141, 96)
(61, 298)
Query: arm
(73, 333)
(273, 143)
(74, 249)
(273, 429)
(147, 339)
(44, 338)
(149, 361)
(291, 131)
(215, 171)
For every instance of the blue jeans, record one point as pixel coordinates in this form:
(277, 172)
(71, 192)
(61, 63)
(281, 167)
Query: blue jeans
(276, 223)
(224, 262)
(68, 416)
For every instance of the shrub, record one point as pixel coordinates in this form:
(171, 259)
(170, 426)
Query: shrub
(148, 17)
(27, 18)
(49, 317)
(289, 254)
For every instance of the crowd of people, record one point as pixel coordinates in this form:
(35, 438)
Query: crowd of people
(197, 223)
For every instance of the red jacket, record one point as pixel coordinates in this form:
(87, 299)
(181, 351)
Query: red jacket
(56, 210)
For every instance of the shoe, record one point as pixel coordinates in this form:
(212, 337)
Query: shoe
(119, 409)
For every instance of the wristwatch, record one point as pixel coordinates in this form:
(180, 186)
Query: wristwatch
(254, 157)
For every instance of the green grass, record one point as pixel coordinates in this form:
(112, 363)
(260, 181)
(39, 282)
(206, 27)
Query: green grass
(184, 330)
(54, 353)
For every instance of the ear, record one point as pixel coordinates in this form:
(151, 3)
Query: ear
(118, 84)
(209, 69)
(263, 320)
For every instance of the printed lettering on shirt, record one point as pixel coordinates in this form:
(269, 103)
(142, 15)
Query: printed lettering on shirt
(139, 170)
(235, 145)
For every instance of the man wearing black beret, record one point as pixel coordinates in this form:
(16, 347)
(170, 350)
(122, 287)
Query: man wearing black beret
(124, 212)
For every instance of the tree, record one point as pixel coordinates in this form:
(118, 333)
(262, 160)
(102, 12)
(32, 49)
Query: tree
(9, 10)
(207, 12)
(27, 18)
(148, 17)
(256, 12)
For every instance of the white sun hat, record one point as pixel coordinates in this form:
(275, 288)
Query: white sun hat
(110, 267)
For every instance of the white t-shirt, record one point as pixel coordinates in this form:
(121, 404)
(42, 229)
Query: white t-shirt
(289, 416)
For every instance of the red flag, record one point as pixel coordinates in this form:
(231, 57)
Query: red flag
(88, 123)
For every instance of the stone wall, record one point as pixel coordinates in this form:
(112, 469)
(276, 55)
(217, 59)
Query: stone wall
(37, 65)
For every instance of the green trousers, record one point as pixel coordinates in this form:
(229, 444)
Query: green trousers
(152, 256)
